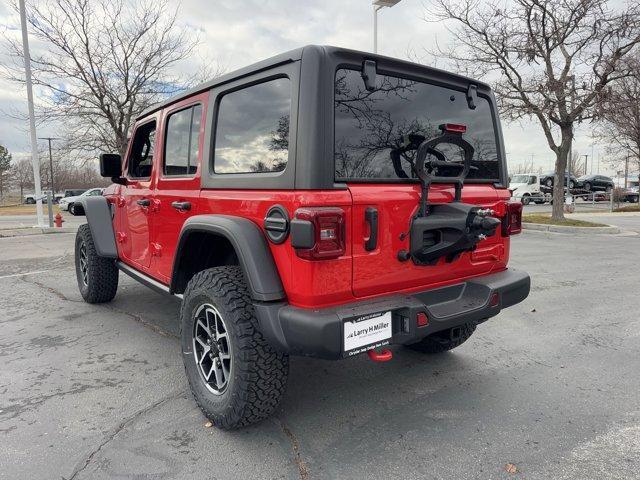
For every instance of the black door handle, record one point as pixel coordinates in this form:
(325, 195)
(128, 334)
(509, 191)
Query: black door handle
(371, 217)
(145, 202)
(182, 206)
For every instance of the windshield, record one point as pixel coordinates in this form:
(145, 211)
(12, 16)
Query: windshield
(399, 114)
(522, 179)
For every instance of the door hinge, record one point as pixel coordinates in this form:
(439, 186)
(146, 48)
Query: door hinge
(155, 205)
(121, 237)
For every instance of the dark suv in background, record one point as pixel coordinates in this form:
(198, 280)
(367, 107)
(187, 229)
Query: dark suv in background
(597, 183)
(547, 180)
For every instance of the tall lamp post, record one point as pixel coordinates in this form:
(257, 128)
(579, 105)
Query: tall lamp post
(51, 182)
(378, 5)
(32, 122)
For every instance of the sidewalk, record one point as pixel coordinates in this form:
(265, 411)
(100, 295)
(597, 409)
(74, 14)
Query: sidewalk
(22, 225)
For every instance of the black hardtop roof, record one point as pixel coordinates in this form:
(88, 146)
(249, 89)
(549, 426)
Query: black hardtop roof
(292, 56)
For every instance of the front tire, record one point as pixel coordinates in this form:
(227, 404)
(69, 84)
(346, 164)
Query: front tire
(97, 276)
(549, 182)
(236, 377)
(444, 340)
(526, 200)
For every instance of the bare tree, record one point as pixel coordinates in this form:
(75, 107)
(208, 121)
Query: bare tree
(576, 164)
(5, 167)
(620, 113)
(22, 175)
(525, 167)
(103, 63)
(549, 60)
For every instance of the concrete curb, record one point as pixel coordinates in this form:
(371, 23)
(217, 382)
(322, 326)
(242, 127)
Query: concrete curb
(541, 227)
(24, 232)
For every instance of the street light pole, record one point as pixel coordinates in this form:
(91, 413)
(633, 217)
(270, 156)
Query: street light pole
(378, 5)
(51, 182)
(32, 118)
(375, 28)
(586, 159)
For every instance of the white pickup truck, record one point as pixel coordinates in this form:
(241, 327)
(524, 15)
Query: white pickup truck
(31, 197)
(526, 188)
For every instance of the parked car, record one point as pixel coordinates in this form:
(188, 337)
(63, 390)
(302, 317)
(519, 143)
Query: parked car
(74, 192)
(276, 249)
(598, 183)
(525, 187)
(67, 203)
(630, 195)
(30, 198)
(547, 180)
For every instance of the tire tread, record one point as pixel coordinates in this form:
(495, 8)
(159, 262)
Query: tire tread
(103, 273)
(260, 372)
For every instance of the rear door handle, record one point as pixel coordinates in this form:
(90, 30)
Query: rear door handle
(145, 202)
(371, 217)
(182, 206)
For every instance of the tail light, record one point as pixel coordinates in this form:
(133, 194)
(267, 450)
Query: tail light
(318, 233)
(512, 221)
(453, 128)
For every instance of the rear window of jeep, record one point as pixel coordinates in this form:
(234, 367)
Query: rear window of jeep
(369, 125)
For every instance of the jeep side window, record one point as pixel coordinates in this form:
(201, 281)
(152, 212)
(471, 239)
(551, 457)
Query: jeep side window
(252, 132)
(141, 157)
(182, 141)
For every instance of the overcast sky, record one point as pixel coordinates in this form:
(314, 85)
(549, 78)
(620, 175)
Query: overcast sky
(239, 32)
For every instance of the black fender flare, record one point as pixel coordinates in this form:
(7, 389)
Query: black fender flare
(100, 220)
(250, 245)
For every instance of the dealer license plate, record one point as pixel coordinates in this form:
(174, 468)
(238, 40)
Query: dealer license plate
(362, 333)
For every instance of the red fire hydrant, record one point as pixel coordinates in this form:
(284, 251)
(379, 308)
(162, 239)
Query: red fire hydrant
(58, 220)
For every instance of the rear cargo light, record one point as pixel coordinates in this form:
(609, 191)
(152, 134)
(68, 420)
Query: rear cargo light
(318, 233)
(512, 221)
(453, 128)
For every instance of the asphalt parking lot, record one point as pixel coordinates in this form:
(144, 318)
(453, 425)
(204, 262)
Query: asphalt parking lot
(550, 386)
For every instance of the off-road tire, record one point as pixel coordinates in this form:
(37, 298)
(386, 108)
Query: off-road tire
(102, 274)
(258, 373)
(441, 341)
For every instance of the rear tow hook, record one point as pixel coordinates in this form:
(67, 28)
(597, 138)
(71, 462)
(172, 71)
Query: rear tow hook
(383, 356)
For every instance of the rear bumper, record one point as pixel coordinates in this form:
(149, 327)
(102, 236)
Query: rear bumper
(319, 332)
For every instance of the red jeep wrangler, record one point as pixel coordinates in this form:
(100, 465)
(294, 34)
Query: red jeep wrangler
(324, 203)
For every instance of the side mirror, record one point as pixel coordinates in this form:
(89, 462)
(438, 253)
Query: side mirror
(111, 167)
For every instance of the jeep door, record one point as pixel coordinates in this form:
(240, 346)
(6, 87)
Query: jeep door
(178, 178)
(135, 202)
(375, 133)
